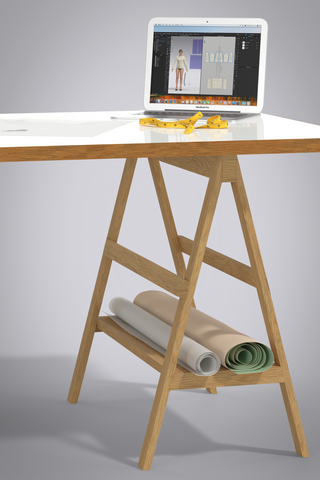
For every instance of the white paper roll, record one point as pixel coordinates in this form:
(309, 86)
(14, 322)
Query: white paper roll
(197, 357)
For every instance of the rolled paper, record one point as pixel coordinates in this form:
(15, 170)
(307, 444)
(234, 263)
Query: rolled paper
(193, 356)
(237, 351)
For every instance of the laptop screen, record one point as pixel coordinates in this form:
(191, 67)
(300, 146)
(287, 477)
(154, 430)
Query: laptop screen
(206, 66)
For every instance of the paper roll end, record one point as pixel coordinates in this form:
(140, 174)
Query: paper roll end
(116, 301)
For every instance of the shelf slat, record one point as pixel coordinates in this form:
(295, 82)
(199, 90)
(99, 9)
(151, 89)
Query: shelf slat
(221, 262)
(162, 277)
(133, 344)
(226, 378)
(183, 379)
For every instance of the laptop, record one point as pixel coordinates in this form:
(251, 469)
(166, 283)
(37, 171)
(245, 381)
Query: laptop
(215, 66)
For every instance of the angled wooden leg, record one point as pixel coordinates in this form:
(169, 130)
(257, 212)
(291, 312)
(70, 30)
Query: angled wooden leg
(181, 316)
(101, 282)
(212, 390)
(168, 217)
(170, 225)
(269, 313)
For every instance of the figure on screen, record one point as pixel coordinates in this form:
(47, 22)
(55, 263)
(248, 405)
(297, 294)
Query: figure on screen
(181, 62)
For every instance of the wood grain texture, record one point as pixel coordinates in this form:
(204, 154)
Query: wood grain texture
(168, 219)
(182, 149)
(226, 378)
(258, 269)
(203, 165)
(133, 344)
(200, 165)
(221, 262)
(146, 268)
(101, 282)
(212, 390)
(293, 413)
(205, 222)
(172, 376)
(269, 314)
(181, 316)
(183, 379)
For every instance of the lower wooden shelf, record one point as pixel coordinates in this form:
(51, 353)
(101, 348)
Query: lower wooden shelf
(183, 379)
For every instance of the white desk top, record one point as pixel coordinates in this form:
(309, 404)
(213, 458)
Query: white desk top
(98, 128)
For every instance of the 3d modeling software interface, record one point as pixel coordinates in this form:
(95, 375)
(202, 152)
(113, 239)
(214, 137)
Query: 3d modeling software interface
(205, 64)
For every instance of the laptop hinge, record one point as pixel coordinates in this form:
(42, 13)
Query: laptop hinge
(204, 112)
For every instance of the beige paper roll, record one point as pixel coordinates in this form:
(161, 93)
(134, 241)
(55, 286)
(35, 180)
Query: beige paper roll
(212, 334)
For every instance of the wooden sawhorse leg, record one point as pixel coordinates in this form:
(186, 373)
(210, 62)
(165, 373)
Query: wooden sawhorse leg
(170, 225)
(227, 170)
(182, 314)
(218, 170)
(269, 313)
(101, 282)
(105, 265)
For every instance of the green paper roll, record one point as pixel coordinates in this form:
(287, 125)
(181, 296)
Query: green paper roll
(249, 357)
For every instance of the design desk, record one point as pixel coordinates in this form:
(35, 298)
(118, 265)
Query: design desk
(211, 153)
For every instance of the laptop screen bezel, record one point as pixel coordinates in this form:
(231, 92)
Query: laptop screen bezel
(148, 105)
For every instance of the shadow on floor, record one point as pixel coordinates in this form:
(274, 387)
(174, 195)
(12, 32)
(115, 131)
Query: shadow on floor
(110, 418)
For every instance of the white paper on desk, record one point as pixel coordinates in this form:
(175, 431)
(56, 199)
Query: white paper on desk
(192, 356)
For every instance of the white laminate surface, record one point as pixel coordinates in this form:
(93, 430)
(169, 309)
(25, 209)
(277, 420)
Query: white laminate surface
(96, 128)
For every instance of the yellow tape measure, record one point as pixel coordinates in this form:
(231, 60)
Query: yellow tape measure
(187, 124)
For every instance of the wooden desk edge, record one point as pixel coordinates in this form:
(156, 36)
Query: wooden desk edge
(92, 152)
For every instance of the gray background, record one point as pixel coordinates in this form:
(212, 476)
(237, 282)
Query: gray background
(67, 55)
